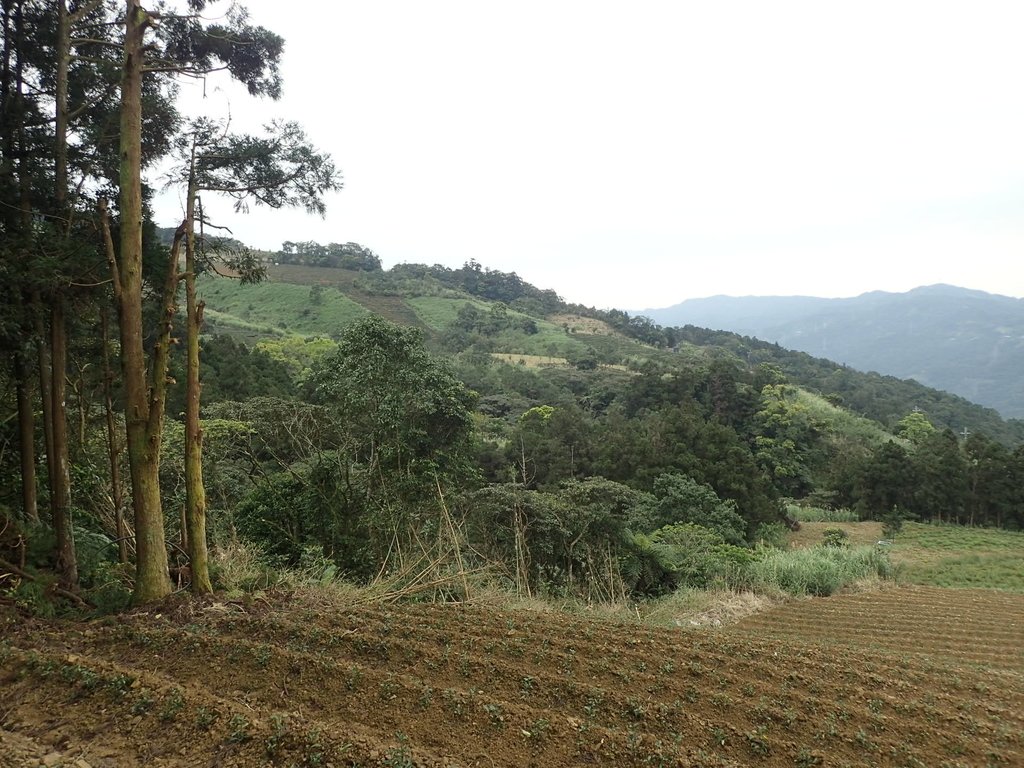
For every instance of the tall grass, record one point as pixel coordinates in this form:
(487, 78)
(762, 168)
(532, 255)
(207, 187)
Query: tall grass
(821, 515)
(813, 571)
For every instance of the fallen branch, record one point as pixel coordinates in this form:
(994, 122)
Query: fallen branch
(57, 590)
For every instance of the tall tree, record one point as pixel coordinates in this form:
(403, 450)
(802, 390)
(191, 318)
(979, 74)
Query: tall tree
(186, 46)
(278, 170)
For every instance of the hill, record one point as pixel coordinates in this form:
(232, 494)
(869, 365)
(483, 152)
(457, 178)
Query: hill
(966, 342)
(511, 317)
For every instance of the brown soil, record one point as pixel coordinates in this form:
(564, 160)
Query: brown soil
(290, 682)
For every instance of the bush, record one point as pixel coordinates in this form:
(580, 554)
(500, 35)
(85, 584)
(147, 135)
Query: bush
(684, 555)
(835, 538)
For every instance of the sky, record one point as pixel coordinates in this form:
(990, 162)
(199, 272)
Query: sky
(633, 155)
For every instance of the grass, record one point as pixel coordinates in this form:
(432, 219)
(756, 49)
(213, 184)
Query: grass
(437, 313)
(530, 361)
(842, 422)
(815, 570)
(954, 556)
(279, 307)
(820, 515)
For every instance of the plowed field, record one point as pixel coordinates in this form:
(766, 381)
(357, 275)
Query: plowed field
(310, 683)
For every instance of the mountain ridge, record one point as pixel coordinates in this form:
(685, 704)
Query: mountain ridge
(960, 340)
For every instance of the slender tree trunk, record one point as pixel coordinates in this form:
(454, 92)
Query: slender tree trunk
(195, 490)
(60, 492)
(113, 449)
(152, 579)
(45, 393)
(26, 441)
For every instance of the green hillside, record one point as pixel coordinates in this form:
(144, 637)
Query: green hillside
(517, 318)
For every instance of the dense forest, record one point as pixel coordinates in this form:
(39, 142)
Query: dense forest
(148, 435)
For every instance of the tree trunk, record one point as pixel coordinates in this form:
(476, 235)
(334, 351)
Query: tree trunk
(60, 491)
(26, 441)
(152, 579)
(45, 386)
(195, 491)
(113, 450)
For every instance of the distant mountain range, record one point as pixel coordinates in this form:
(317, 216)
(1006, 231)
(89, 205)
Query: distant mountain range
(966, 342)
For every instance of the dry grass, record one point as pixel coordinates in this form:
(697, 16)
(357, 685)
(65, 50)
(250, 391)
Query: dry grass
(530, 361)
(810, 534)
(580, 324)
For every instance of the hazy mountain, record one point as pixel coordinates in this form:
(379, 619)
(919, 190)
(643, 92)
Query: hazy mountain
(970, 343)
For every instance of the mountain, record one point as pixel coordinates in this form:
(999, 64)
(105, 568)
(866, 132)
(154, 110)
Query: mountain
(966, 342)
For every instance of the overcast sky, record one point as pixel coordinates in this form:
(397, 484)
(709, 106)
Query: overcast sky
(634, 154)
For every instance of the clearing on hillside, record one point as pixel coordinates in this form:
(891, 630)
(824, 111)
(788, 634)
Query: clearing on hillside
(308, 682)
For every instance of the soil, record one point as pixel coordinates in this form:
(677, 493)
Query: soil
(898, 677)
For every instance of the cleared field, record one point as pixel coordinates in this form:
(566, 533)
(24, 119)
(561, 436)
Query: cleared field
(304, 683)
(953, 556)
(811, 534)
(285, 307)
(944, 626)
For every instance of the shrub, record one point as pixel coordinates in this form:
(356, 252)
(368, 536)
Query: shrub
(835, 538)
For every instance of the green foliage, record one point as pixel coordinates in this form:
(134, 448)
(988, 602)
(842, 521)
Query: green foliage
(892, 523)
(686, 555)
(280, 305)
(954, 556)
(915, 427)
(681, 499)
(297, 354)
(404, 413)
(809, 514)
(334, 255)
(835, 538)
(815, 570)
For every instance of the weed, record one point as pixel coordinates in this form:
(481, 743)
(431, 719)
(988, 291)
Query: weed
(426, 698)
(314, 749)
(388, 689)
(278, 734)
(238, 730)
(539, 730)
(399, 756)
(205, 718)
(143, 703)
(807, 759)
(119, 685)
(635, 709)
(496, 714)
(173, 705)
(263, 655)
(453, 700)
(757, 742)
(353, 678)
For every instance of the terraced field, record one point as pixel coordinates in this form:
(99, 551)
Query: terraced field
(903, 677)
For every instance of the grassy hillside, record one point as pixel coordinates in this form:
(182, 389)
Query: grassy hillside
(278, 307)
(938, 555)
(301, 300)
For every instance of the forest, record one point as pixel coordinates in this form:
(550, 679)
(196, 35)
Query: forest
(150, 434)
